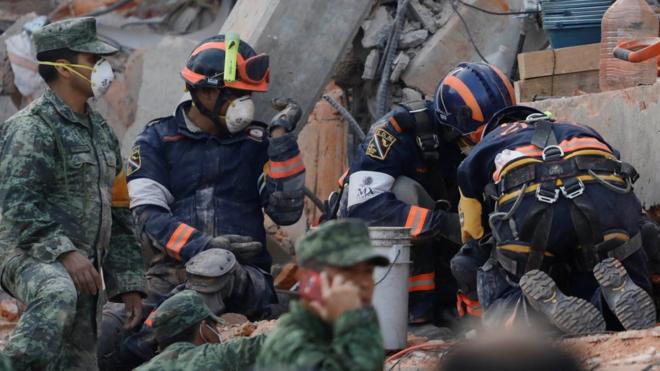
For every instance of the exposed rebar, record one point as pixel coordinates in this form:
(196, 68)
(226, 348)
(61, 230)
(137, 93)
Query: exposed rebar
(357, 130)
(390, 52)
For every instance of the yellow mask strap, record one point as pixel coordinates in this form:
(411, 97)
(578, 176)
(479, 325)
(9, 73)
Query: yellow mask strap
(69, 66)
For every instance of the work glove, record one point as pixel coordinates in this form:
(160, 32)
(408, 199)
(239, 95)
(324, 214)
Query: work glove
(288, 116)
(449, 228)
(242, 246)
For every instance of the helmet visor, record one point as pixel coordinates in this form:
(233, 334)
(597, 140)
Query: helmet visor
(255, 69)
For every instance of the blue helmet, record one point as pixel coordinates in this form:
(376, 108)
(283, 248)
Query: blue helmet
(467, 98)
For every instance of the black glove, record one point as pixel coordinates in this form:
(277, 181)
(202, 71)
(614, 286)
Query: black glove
(242, 246)
(289, 115)
(450, 228)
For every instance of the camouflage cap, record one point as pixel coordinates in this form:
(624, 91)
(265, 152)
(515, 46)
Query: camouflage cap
(179, 312)
(77, 34)
(341, 243)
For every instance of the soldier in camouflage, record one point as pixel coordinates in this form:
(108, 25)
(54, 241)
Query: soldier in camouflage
(66, 241)
(185, 329)
(336, 329)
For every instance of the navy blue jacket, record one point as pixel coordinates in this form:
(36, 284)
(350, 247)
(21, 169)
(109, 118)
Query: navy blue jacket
(389, 151)
(196, 186)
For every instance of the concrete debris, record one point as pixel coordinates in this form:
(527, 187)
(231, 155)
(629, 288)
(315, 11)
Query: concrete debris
(371, 65)
(413, 39)
(423, 14)
(377, 29)
(410, 95)
(400, 64)
(434, 5)
(410, 26)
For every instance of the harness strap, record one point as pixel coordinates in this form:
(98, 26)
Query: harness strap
(543, 136)
(425, 131)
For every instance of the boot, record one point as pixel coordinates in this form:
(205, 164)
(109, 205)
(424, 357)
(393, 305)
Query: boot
(630, 303)
(570, 314)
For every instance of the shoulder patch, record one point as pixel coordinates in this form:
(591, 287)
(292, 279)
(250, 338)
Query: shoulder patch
(381, 143)
(134, 161)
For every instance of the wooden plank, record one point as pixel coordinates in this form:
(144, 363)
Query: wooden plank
(565, 60)
(569, 84)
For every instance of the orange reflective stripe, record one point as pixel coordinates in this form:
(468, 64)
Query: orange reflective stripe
(506, 82)
(421, 282)
(427, 287)
(576, 143)
(395, 124)
(178, 239)
(190, 75)
(421, 277)
(283, 169)
(466, 94)
(342, 179)
(416, 219)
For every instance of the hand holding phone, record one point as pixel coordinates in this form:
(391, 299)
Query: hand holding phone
(336, 298)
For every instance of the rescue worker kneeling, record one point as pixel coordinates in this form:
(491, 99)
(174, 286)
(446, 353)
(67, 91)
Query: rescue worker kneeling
(188, 339)
(565, 226)
(226, 287)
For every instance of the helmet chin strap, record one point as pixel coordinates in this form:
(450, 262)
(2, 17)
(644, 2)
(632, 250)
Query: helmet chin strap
(214, 114)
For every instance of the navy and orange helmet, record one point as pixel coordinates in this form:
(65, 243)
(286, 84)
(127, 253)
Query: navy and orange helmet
(470, 95)
(205, 67)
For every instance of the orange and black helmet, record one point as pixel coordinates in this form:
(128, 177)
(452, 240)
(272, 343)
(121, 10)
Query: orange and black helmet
(205, 67)
(470, 95)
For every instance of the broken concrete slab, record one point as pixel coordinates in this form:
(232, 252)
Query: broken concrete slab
(423, 14)
(321, 29)
(412, 39)
(377, 29)
(371, 65)
(161, 87)
(434, 61)
(400, 64)
(409, 95)
(628, 120)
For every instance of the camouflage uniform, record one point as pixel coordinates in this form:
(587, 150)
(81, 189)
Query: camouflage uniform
(301, 339)
(57, 170)
(179, 313)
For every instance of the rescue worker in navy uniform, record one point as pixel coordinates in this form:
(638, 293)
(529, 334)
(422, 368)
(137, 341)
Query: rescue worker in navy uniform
(407, 163)
(204, 177)
(225, 285)
(566, 246)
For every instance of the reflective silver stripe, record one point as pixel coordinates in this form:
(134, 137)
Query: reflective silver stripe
(145, 191)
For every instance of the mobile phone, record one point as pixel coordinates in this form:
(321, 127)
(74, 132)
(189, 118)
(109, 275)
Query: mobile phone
(310, 286)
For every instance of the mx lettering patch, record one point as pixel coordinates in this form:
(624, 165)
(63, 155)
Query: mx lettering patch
(380, 144)
(134, 161)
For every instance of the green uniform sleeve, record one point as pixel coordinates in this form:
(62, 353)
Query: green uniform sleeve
(123, 268)
(27, 170)
(238, 354)
(302, 341)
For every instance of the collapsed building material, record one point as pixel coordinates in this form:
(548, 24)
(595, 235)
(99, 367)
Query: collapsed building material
(301, 61)
(450, 45)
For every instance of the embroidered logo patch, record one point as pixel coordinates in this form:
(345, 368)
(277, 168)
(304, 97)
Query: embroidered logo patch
(134, 161)
(380, 144)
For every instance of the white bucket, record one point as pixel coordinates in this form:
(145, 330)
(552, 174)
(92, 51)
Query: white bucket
(391, 293)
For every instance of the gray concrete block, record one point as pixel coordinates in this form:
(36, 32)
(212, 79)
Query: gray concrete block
(413, 39)
(400, 64)
(451, 46)
(305, 40)
(422, 14)
(371, 65)
(628, 120)
(162, 84)
(377, 29)
(409, 94)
